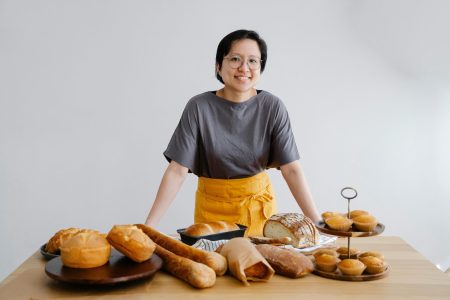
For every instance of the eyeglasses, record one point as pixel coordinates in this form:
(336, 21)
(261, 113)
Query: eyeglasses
(235, 61)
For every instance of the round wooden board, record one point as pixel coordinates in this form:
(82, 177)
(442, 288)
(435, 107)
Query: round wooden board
(322, 227)
(119, 269)
(337, 275)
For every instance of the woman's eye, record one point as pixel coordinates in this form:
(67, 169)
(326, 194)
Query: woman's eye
(235, 59)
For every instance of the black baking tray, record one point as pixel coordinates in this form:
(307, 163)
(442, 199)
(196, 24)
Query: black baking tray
(190, 240)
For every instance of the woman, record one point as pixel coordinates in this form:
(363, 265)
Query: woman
(228, 138)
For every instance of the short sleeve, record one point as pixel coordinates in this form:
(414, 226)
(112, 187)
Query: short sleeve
(183, 146)
(283, 148)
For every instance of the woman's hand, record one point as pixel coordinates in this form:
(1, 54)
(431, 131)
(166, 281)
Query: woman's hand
(294, 177)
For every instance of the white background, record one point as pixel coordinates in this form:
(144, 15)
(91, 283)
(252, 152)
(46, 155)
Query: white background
(91, 91)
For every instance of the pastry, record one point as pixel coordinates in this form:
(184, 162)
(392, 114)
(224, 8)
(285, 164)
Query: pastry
(201, 229)
(299, 228)
(351, 267)
(339, 223)
(85, 250)
(373, 264)
(329, 214)
(326, 262)
(132, 242)
(355, 213)
(343, 252)
(365, 223)
(372, 253)
(325, 251)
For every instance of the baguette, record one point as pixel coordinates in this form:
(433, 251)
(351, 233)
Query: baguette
(286, 262)
(214, 260)
(196, 274)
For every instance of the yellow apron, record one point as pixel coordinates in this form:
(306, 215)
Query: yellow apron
(246, 201)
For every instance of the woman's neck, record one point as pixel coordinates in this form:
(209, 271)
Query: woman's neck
(236, 96)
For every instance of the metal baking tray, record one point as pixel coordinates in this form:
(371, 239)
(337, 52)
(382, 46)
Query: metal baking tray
(190, 240)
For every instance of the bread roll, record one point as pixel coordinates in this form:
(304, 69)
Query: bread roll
(212, 259)
(298, 227)
(286, 262)
(85, 250)
(132, 242)
(196, 274)
(201, 229)
(59, 238)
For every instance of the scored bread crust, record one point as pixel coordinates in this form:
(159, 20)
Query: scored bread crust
(207, 228)
(132, 242)
(87, 249)
(298, 227)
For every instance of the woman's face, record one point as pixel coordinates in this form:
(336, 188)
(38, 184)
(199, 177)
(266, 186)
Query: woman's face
(241, 79)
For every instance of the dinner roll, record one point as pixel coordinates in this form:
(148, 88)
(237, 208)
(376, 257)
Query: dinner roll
(132, 242)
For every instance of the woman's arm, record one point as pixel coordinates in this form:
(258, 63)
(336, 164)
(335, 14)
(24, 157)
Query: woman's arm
(171, 182)
(293, 174)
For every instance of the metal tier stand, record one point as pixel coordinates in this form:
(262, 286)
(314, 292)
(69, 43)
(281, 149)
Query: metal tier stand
(348, 193)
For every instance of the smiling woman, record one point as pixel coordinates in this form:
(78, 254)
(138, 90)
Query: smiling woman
(228, 138)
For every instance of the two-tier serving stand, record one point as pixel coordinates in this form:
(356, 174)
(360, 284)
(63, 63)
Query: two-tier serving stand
(350, 193)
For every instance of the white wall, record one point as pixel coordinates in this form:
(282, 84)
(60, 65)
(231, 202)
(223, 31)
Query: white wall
(91, 92)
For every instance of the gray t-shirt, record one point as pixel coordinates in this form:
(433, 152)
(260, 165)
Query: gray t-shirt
(217, 138)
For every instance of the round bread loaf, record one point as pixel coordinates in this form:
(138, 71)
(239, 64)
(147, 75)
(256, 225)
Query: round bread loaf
(87, 249)
(59, 238)
(132, 242)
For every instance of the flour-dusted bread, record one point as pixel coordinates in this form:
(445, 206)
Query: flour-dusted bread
(299, 228)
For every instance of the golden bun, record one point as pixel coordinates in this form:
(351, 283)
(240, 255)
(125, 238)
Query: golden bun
(357, 212)
(343, 252)
(326, 262)
(372, 253)
(373, 264)
(351, 267)
(365, 223)
(85, 250)
(132, 242)
(340, 223)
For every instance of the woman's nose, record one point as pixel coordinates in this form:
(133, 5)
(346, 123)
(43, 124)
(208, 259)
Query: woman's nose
(244, 66)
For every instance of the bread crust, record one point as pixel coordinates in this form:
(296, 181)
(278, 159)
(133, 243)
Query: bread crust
(132, 242)
(202, 229)
(85, 250)
(212, 259)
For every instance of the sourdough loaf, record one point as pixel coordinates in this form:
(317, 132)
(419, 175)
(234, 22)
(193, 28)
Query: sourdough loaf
(299, 228)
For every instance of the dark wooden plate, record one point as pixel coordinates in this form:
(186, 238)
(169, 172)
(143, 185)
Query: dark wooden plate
(322, 227)
(119, 269)
(337, 275)
(46, 254)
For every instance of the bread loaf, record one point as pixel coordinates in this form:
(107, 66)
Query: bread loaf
(196, 274)
(214, 260)
(201, 229)
(132, 242)
(286, 262)
(85, 250)
(298, 227)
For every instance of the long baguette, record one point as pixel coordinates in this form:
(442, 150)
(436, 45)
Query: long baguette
(196, 274)
(214, 260)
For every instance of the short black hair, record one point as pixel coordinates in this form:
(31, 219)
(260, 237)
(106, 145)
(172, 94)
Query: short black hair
(225, 44)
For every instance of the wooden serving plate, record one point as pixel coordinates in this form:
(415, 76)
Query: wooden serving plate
(119, 269)
(322, 227)
(337, 275)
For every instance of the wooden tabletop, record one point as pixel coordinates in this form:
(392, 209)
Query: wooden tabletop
(411, 276)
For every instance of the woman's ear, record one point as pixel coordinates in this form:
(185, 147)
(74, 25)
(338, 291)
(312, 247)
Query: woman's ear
(218, 69)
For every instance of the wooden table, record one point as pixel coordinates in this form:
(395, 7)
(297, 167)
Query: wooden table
(411, 277)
